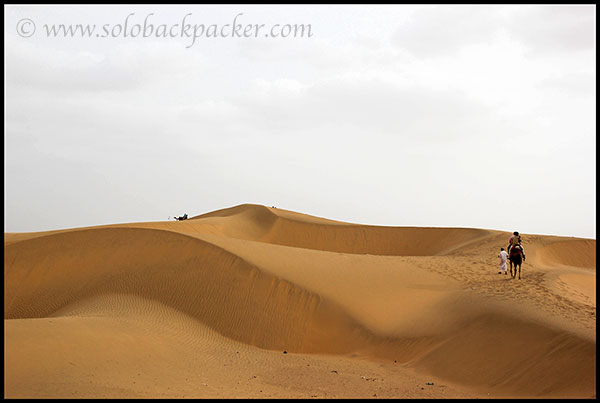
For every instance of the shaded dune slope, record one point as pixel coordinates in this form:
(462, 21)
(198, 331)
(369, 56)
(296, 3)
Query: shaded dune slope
(284, 227)
(572, 252)
(227, 270)
(204, 281)
(188, 274)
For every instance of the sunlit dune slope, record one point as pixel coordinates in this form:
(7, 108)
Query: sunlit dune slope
(280, 280)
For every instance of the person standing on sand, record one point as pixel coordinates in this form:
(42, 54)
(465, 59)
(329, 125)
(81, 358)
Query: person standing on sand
(503, 257)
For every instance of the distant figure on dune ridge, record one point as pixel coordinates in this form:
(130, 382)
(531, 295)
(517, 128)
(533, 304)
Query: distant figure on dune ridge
(183, 217)
(503, 259)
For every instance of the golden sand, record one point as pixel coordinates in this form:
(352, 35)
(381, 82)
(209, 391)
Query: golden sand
(253, 301)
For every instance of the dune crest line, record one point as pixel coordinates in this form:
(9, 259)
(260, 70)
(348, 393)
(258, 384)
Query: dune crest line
(284, 281)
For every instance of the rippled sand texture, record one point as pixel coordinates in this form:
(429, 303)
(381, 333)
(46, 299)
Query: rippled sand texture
(253, 301)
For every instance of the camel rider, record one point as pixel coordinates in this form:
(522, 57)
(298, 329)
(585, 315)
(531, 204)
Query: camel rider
(515, 239)
(517, 247)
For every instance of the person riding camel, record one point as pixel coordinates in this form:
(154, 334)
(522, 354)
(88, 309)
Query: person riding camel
(515, 239)
(515, 242)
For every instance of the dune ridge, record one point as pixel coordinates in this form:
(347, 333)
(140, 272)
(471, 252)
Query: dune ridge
(279, 280)
(283, 227)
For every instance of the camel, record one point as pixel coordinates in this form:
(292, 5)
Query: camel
(516, 258)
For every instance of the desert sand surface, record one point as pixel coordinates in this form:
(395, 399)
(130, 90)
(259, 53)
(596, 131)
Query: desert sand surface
(260, 302)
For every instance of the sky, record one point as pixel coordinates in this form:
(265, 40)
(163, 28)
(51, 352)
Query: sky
(429, 116)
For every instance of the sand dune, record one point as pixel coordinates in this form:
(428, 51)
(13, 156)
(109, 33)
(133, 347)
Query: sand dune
(577, 253)
(282, 227)
(206, 307)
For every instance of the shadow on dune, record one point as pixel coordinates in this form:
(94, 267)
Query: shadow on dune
(576, 253)
(51, 275)
(282, 227)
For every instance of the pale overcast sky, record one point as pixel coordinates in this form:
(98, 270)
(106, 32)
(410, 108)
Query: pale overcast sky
(437, 116)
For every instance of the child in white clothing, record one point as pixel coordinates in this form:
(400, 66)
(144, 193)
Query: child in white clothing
(503, 258)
